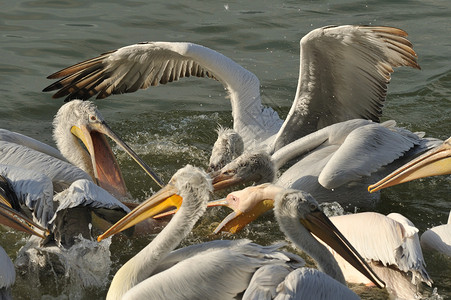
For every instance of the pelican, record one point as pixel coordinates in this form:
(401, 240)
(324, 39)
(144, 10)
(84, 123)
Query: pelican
(31, 193)
(389, 244)
(344, 72)
(435, 162)
(438, 238)
(218, 269)
(71, 219)
(337, 161)
(74, 121)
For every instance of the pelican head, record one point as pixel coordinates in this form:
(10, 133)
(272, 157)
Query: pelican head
(247, 205)
(186, 182)
(81, 119)
(250, 166)
(227, 147)
(297, 213)
(435, 162)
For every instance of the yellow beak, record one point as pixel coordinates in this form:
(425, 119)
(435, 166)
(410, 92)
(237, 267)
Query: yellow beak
(435, 162)
(161, 201)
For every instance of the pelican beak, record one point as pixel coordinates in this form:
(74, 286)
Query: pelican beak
(106, 168)
(11, 218)
(167, 213)
(319, 224)
(238, 219)
(164, 199)
(435, 162)
(223, 179)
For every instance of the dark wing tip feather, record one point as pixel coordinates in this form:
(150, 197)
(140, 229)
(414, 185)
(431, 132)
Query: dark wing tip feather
(389, 30)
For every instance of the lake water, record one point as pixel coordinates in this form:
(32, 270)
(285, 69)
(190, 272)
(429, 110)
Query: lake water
(171, 126)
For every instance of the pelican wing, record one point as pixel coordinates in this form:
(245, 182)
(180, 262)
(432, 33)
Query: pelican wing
(264, 282)
(60, 172)
(7, 272)
(126, 70)
(139, 66)
(86, 193)
(33, 190)
(20, 139)
(180, 254)
(364, 151)
(344, 73)
(410, 256)
(215, 274)
(307, 283)
(186, 252)
(384, 239)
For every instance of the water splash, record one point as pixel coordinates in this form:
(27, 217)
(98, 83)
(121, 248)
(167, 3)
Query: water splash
(331, 209)
(64, 272)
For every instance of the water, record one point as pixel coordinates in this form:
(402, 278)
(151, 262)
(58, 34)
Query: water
(171, 126)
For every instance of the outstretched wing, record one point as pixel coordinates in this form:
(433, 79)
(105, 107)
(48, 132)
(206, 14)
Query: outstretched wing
(344, 73)
(126, 70)
(134, 67)
(139, 66)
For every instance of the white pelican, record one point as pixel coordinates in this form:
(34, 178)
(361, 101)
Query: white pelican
(344, 72)
(338, 161)
(72, 218)
(389, 244)
(215, 270)
(435, 162)
(438, 238)
(73, 121)
(31, 193)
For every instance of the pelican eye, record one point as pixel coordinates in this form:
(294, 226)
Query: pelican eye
(313, 206)
(227, 173)
(231, 198)
(93, 118)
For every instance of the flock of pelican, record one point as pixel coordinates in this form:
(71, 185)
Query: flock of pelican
(330, 147)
